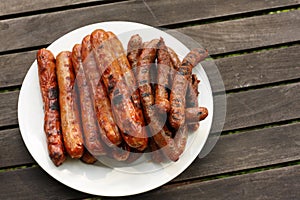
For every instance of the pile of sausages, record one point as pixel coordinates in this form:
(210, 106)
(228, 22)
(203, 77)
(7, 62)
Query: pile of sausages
(102, 101)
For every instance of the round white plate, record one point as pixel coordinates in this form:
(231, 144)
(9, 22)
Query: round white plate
(100, 179)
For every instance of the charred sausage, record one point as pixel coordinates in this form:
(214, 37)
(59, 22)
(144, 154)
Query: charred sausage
(109, 132)
(49, 91)
(179, 87)
(163, 71)
(124, 112)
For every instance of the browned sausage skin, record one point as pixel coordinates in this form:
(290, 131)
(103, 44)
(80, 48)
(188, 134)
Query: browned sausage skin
(124, 112)
(146, 59)
(195, 114)
(134, 49)
(109, 132)
(163, 71)
(70, 121)
(88, 117)
(179, 87)
(192, 99)
(88, 158)
(49, 90)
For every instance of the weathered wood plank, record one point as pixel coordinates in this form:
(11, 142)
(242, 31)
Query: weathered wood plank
(232, 152)
(172, 12)
(259, 68)
(8, 108)
(15, 7)
(248, 150)
(269, 29)
(267, 105)
(34, 183)
(247, 33)
(196, 9)
(14, 68)
(15, 151)
(244, 109)
(274, 184)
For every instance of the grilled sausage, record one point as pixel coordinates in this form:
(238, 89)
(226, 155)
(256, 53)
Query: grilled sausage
(124, 112)
(128, 74)
(109, 132)
(175, 65)
(88, 158)
(146, 59)
(179, 87)
(195, 114)
(134, 49)
(89, 124)
(163, 70)
(192, 100)
(157, 155)
(70, 121)
(49, 91)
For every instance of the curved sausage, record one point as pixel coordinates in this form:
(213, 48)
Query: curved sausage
(109, 132)
(196, 114)
(179, 87)
(124, 112)
(192, 99)
(69, 113)
(49, 90)
(163, 71)
(89, 124)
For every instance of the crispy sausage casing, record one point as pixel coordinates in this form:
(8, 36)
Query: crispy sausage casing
(179, 87)
(49, 90)
(108, 128)
(163, 71)
(192, 100)
(124, 112)
(88, 117)
(70, 120)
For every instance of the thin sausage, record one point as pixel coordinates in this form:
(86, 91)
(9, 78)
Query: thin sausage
(146, 59)
(88, 117)
(49, 90)
(70, 121)
(192, 100)
(179, 87)
(163, 71)
(134, 49)
(109, 132)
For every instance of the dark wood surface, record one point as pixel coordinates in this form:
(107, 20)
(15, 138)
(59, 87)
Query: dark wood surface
(256, 47)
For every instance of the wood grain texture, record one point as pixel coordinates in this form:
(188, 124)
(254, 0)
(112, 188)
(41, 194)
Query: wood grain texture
(254, 69)
(247, 33)
(246, 150)
(15, 151)
(277, 184)
(192, 10)
(34, 183)
(231, 153)
(267, 105)
(257, 31)
(274, 184)
(8, 108)
(14, 68)
(15, 6)
(244, 109)
(259, 68)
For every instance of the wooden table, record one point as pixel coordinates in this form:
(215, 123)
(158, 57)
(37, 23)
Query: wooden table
(256, 46)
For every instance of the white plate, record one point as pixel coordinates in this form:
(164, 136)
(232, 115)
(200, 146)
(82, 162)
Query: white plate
(100, 179)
